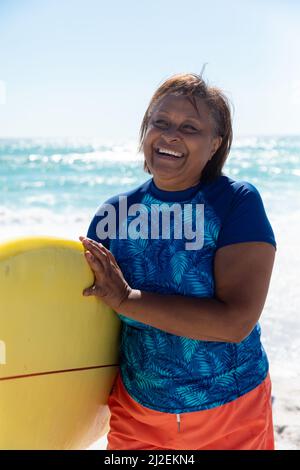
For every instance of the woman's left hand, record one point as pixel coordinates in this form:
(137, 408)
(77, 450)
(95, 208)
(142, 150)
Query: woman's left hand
(110, 284)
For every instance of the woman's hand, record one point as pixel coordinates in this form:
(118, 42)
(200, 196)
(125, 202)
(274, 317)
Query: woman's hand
(109, 283)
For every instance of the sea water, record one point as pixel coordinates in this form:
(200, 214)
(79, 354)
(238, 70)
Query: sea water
(54, 187)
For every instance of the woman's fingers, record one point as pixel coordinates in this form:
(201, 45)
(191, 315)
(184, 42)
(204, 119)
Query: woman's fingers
(106, 254)
(111, 257)
(96, 264)
(99, 276)
(89, 291)
(109, 282)
(89, 242)
(93, 290)
(98, 250)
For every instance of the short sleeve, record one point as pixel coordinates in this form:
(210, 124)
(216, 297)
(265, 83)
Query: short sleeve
(246, 220)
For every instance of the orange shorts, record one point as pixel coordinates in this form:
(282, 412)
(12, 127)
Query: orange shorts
(243, 424)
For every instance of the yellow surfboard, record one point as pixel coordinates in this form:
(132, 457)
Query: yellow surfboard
(58, 349)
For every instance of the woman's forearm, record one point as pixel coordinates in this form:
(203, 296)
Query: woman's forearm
(205, 319)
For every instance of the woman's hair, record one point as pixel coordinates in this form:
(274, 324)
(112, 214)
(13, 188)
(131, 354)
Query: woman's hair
(192, 85)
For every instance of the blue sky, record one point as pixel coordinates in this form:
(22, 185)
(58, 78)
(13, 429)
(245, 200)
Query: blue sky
(88, 68)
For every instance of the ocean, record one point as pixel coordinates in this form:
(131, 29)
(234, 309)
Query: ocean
(54, 187)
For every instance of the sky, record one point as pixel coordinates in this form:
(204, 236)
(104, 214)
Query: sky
(88, 68)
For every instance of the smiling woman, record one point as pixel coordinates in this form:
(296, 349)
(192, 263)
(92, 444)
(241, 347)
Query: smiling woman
(204, 120)
(193, 372)
(170, 138)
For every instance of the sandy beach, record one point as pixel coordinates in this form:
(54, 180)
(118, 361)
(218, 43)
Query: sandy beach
(286, 412)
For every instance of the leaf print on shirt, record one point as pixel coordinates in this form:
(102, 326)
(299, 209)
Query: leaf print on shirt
(179, 264)
(211, 231)
(202, 363)
(165, 398)
(136, 247)
(148, 199)
(193, 285)
(138, 272)
(194, 395)
(157, 344)
(216, 364)
(188, 348)
(212, 223)
(223, 382)
(162, 371)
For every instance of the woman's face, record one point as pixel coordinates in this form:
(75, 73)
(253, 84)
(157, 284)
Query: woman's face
(176, 127)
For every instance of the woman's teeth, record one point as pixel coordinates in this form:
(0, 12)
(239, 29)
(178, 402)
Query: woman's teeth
(165, 151)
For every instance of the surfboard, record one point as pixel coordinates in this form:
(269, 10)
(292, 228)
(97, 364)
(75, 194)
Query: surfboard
(58, 349)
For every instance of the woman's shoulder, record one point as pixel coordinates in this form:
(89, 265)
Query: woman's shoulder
(236, 186)
(233, 190)
(242, 214)
(228, 196)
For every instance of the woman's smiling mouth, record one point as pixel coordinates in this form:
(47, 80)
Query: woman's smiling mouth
(166, 153)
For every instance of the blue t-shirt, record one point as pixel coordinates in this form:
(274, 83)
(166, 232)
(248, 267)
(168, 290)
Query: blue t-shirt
(162, 371)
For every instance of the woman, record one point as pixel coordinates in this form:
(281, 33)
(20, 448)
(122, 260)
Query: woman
(193, 372)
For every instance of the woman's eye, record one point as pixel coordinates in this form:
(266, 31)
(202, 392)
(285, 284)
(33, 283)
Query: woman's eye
(160, 122)
(190, 128)
(186, 127)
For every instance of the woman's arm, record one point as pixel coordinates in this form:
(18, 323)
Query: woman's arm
(242, 274)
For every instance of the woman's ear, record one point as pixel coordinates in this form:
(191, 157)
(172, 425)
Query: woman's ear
(146, 168)
(217, 141)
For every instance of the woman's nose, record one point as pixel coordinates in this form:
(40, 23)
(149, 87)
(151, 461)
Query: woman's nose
(170, 135)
